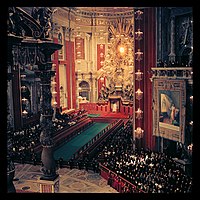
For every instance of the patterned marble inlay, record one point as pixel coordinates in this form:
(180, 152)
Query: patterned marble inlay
(71, 180)
(77, 185)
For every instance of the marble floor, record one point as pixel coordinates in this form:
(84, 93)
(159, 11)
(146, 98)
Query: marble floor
(71, 180)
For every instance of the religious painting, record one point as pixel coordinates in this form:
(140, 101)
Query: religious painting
(169, 109)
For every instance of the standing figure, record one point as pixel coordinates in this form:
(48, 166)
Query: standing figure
(43, 16)
(114, 107)
(172, 115)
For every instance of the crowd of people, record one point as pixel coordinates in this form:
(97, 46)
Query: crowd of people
(151, 172)
(136, 170)
(23, 143)
(139, 170)
(143, 169)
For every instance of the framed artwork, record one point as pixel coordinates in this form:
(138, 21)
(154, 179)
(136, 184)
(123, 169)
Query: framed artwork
(169, 99)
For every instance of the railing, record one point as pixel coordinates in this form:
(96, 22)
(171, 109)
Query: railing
(104, 171)
(98, 137)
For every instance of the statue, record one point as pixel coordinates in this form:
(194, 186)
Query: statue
(43, 14)
(15, 20)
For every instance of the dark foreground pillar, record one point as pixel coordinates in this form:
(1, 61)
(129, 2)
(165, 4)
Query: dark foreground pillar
(49, 181)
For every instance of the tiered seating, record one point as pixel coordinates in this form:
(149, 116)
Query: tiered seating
(91, 145)
(74, 124)
(26, 142)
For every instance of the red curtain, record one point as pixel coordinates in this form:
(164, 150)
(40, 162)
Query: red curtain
(149, 62)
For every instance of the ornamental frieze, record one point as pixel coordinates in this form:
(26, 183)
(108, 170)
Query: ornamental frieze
(28, 55)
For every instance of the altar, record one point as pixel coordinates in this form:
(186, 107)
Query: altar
(114, 102)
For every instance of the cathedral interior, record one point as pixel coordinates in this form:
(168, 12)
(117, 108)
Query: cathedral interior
(104, 93)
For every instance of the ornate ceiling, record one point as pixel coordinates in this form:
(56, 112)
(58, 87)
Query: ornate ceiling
(104, 11)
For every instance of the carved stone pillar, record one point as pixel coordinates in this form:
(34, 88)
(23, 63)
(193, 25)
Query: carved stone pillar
(11, 64)
(45, 73)
(49, 168)
(172, 54)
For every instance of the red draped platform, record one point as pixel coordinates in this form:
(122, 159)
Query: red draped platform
(105, 111)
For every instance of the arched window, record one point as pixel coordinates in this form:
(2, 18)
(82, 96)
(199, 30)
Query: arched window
(84, 89)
